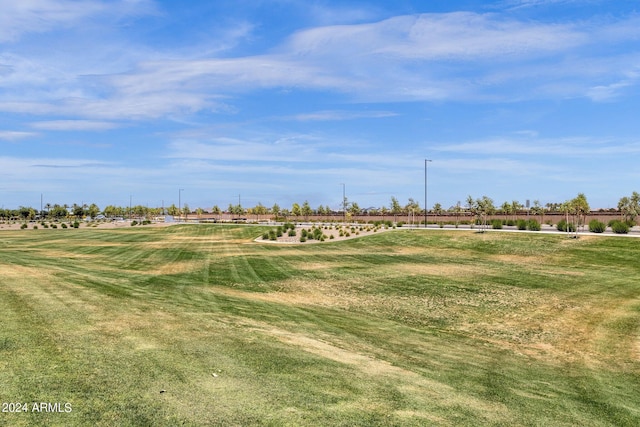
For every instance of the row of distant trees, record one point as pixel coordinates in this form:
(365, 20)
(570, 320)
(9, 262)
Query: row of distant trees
(481, 208)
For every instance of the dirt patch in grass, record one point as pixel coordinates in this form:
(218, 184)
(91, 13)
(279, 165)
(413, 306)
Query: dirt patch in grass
(13, 271)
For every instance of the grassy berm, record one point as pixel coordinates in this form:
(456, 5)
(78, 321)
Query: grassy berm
(199, 325)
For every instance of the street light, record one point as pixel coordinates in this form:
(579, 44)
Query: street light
(426, 206)
(180, 190)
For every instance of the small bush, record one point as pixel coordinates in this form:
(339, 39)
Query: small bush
(54, 226)
(317, 234)
(496, 224)
(291, 233)
(265, 235)
(303, 239)
(596, 226)
(331, 237)
(521, 224)
(133, 223)
(620, 227)
(564, 226)
(511, 223)
(76, 224)
(35, 227)
(63, 225)
(533, 225)
(23, 226)
(273, 235)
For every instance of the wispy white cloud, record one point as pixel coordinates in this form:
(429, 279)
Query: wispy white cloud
(523, 4)
(74, 125)
(336, 115)
(450, 56)
(38, 16)
(449, 36)
(530, 145)
(12, 135)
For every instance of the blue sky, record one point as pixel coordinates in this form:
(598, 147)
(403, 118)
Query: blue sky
(281, 101)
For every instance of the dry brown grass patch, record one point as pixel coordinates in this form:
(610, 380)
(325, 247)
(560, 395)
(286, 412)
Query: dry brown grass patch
(445, 270)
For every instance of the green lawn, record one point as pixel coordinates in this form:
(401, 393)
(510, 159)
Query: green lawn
(406, 327)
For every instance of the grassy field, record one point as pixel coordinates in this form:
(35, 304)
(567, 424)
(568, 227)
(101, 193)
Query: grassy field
(199, 325)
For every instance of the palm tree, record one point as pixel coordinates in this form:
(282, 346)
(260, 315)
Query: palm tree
(515, 207)
(506, 209)
(396, 209)
(383, 212)
(580, 209)
(275, 210)
(216, 211)
(437, 209)
(306, 210)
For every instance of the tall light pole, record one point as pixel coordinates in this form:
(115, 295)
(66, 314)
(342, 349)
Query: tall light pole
(426, 206)
(180, 204)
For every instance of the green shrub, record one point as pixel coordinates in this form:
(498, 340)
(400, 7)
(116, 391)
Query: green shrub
(619, 227)
(496, 224)
(303, 239)
(133, 223)
(35, 227)
(331, 237)
(564, 226)
(273, 235)
(511, 222)
(596, 226)
(317, 234)
(265, 235)
(54, 226)
(522, 224)
(292, 233)
(76, 224)
(23, 226)
(533, 225)
(63, 225)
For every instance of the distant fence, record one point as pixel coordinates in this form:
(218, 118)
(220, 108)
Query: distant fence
(552, 218)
